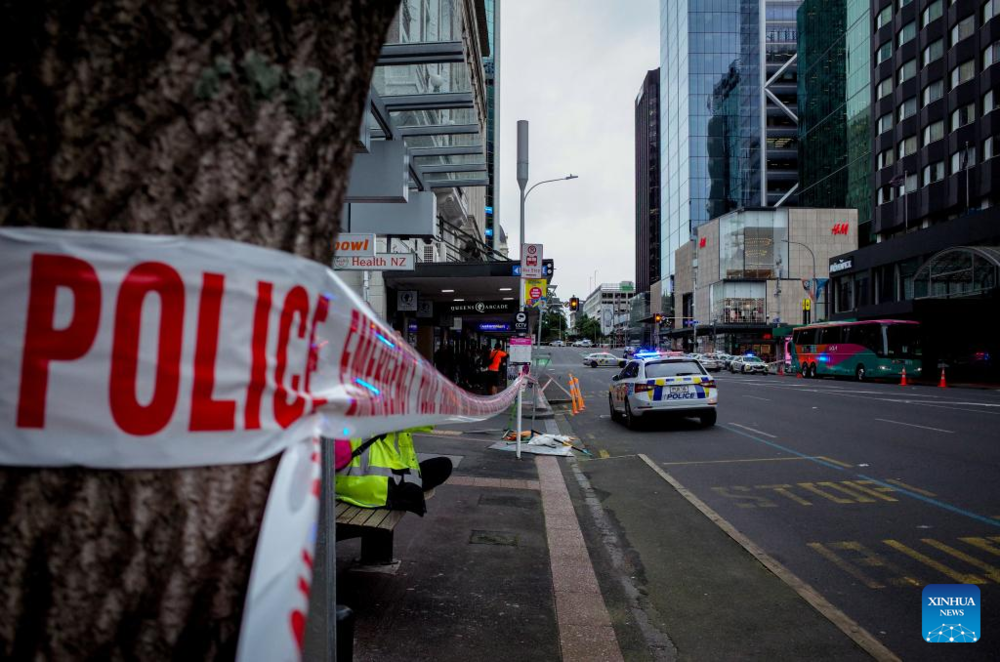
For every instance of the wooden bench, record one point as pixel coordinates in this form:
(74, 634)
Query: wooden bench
(374, 526)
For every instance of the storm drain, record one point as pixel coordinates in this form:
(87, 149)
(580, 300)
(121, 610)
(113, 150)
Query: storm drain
(505, 538)
(526, 503)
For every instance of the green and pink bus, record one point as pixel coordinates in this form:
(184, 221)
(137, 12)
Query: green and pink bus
(875, 349)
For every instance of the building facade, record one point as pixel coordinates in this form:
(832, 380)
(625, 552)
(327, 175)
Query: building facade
(728, 113)
(609, 304)
(834, 82)
(935, 95)
(491, 67)
(750, 271)
(647, 182)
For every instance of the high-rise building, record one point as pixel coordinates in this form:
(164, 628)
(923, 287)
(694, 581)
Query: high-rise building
(647, 182)
(491, 67)
(936, 224)
(728, 113)
(834, 78)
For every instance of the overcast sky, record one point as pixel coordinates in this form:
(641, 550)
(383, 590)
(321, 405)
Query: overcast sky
(573, 68)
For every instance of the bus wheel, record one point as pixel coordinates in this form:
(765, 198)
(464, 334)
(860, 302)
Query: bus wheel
(812, 370)
(860, 373)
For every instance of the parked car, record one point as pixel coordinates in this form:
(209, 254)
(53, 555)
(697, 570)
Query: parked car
(596, 359)
(748, 365)
(557, 343)
(583, 343)
(659, 384)
(708, 362)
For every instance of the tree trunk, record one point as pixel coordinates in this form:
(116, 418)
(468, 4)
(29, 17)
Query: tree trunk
(224, 119)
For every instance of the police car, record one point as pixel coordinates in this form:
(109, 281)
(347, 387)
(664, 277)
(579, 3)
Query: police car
(655, 383)
(600, 359)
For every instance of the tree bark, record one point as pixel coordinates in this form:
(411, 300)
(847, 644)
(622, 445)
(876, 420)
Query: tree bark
(224, 119)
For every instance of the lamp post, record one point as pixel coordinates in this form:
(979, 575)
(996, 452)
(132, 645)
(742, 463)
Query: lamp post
(811, 254)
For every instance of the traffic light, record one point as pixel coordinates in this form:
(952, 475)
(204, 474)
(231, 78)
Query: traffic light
(574, 303)
(657, 318)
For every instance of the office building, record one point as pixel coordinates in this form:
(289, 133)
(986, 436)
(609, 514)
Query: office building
(936, 225)
(834, 100)
(491, 67)
(609, 304)
(728, 115)
(647, 182)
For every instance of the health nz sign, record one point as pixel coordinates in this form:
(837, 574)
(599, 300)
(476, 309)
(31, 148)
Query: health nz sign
(378, 262)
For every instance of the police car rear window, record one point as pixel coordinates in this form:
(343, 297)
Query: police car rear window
(673, 369)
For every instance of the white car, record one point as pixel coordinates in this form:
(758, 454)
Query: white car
(557, 343)
(583, 343)
(663, 384)
(601, 359)
(708, 362)
(748, 365)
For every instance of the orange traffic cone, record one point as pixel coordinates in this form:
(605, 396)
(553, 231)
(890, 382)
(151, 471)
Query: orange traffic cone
(941, 382)
(903, 382)
(572, 394)
(579, 396)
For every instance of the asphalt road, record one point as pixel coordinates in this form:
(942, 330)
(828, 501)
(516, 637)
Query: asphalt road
(867, 492)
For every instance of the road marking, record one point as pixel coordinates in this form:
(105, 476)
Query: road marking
(867, 558)
(826, 495)
(984, 544)
(454, 433)
(753, 459)
(991, 571)
(847, 625)
(757, 398)
(753, 430)
(912, 494)
(874, 491)
(785, 491)
(960, 577)
(837, 462)
(914, 425)
(603, 454)
(909, 487)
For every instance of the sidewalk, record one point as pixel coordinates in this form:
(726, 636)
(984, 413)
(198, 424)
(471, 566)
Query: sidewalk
(496, 570)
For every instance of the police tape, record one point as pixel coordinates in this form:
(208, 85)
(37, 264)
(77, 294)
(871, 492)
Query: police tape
(124, 351)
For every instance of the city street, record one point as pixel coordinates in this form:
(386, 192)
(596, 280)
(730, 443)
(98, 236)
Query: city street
(864, 491)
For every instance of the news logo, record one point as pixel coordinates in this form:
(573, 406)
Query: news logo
(951, 614)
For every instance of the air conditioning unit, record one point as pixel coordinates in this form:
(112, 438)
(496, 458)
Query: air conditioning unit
(429, 252)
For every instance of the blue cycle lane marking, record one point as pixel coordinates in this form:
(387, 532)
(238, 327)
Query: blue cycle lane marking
(934, 502)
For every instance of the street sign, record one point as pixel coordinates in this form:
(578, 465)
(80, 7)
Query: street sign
(626, 286)
(520, 350)
(515, 270)
(406, 301)
(354, 245)
(378, 262)
(521, 317)
(531, 260)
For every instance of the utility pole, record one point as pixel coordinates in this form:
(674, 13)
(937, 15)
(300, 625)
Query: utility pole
(522, 181)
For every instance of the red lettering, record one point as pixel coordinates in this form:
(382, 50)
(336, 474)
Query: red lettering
(207, 413)
(42, 341)
(131, 416)
(322, 308)
(296, 303)
(258, 361)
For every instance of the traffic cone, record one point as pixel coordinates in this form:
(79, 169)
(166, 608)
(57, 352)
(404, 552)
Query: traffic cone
(941, 382)
(579, 395)
(903, 382)
(572, 394)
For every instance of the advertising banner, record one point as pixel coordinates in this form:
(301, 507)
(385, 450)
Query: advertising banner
(354, 245)
(378, 262)
(535, 291)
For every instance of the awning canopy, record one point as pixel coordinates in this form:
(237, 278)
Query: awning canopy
(960, 271)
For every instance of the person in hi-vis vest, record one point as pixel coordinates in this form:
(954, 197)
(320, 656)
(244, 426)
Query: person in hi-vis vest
(384, 472)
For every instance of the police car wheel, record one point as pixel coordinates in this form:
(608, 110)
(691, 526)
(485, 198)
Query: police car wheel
(708, 418)
(630, 420)
(593, 364)
(611, 407)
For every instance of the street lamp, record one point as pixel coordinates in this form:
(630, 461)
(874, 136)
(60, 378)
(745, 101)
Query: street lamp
(524, 194)
(811, 254)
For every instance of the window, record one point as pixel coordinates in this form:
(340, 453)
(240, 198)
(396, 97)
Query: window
(868, 336)
(963, 158)
(988, 152)
(934, 173)
(907, 32)
(962, 116)
(886, 159)
(631, 370)
(933, 92)
(908, 108)
(933, 12)
(934, 51)
(903, 341)
(884, 17)
(989, 105)
(903, 3)
(884, 52)
(990, 9)
(963, 29)
(907, 71)
(963, 73)
(884, 88)
(991, 54)
(933, 132)
(909, 185)
(906, 147)
(885, 194)
(885, 123)
(674, 369)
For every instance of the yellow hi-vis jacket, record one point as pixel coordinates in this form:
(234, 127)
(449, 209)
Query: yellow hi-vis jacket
(364, 482)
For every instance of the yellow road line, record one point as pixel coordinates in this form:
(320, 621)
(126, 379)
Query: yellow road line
(604, 454)
(991, 571)
(754, 459)
(848, 626)
(984, 544)
(833, 461)
(960, 577)
(900, 483)
(826, 495)
(849, 568)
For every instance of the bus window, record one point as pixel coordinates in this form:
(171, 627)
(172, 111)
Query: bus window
(829, 335)
(903, 341)
(805, 337)
(868, 336)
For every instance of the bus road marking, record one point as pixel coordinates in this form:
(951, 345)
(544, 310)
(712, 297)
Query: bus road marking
(914, 425)
(992, 572)
(867, 558)
(850, 492)
(905, 486)
(960, 577)
(751, 459)
(833, 461)
(753, 430)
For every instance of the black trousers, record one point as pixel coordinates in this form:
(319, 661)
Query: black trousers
(409, 496)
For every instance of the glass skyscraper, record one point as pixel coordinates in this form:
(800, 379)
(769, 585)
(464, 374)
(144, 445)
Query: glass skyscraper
(727, 112)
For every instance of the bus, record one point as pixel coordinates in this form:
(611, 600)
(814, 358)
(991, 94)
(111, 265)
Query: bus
(875, 349)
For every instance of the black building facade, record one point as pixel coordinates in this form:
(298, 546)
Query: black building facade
(935, 95)
(647, 183)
